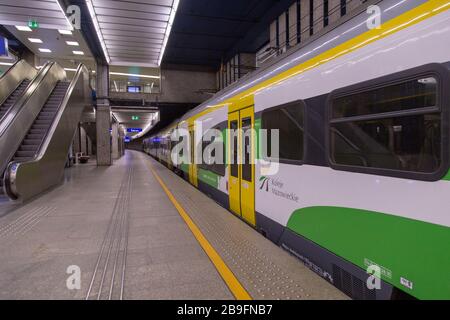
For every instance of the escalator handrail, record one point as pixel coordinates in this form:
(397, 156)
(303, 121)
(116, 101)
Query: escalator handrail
(12, 113)
(45, 142)
(6, 73)
(11, 68)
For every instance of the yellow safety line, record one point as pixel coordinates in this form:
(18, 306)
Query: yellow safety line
(227, 275)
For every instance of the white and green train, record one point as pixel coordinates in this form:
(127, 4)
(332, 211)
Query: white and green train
(364, 171)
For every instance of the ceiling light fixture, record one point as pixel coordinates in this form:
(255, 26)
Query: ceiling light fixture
(72, 43)
(97, 29)
(78, 53)
(24, 28)
(168, 29)
(35, 40)
(6, 64)
(134, 75)
(65, 32)
(44, 50)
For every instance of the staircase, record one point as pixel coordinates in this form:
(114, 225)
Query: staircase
(13, 97)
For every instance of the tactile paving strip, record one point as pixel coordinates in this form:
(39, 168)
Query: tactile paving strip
(265, 270)
(25, 222)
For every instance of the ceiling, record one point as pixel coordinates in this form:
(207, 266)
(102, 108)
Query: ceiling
(125, 117)
(133, 32)
(53, 40)
(207, 31)
(47, 12)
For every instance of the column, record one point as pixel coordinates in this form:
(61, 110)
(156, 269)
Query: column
(115, 141)
(103, 117)
(305, 17)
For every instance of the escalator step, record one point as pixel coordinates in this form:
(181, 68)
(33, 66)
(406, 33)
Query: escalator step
(24, 154)
(21, 159)
(38, 121)
(28, 148)
(37, 131)
(31, 142)
(34, 136)
(39, 126)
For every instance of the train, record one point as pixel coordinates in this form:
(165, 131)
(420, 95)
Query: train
(363, 170)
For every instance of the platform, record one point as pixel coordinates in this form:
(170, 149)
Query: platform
(138, 231)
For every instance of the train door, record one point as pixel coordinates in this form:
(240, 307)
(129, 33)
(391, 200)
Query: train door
(241, 159)
(193, 179)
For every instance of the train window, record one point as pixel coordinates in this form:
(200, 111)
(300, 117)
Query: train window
(246, 149)
(218, 166)
(409, 95)
(397, 127)
(289, 120)
(234, 166)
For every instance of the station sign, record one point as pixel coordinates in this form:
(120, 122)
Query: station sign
(134, 130)
(4, 47)
(127, 139)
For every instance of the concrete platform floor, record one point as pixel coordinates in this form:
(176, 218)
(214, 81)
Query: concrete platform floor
(117, 226)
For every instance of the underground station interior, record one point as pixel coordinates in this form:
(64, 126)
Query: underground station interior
(192, 150)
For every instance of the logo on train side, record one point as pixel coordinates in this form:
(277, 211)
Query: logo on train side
(265, 183)
(276, 186)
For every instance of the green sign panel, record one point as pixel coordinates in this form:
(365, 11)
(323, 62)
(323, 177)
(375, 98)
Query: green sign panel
(33, 24)
(135, 118)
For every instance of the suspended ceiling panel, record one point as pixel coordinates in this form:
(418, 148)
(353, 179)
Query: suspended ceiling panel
(134, 32)
(47, 13)
(54, 41)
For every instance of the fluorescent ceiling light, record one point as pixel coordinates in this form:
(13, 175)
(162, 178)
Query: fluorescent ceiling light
(35, 40)
(97, 29)
(44, 50)
(67, 32)
(78, 53)
(6, 64)
(72, 43)
(24, 28)
(168, 29)
(134, 75)
(69, 69)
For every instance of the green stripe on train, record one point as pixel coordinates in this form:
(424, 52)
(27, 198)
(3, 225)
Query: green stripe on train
(413, 250)
(209, 178)
(447, 177)
(185, 168)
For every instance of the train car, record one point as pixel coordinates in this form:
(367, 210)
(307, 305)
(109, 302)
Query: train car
(363, 168)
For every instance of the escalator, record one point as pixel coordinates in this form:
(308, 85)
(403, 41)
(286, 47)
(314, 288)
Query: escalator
(37, 161)
(11, 100)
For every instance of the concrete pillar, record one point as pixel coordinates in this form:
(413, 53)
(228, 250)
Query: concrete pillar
(353, 4)
(293, 25)
(115, 141)
(122, 141)
(282, 31)
(103, 117)
(305, 19)
(318, 15)
(76, 141)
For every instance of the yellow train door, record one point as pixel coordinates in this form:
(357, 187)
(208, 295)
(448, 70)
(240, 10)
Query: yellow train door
(193, 178)
(242, 169)
(234, 186)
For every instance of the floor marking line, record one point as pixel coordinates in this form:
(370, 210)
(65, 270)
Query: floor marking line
(227, 275)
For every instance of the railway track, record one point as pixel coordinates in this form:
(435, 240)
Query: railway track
(108, 279)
